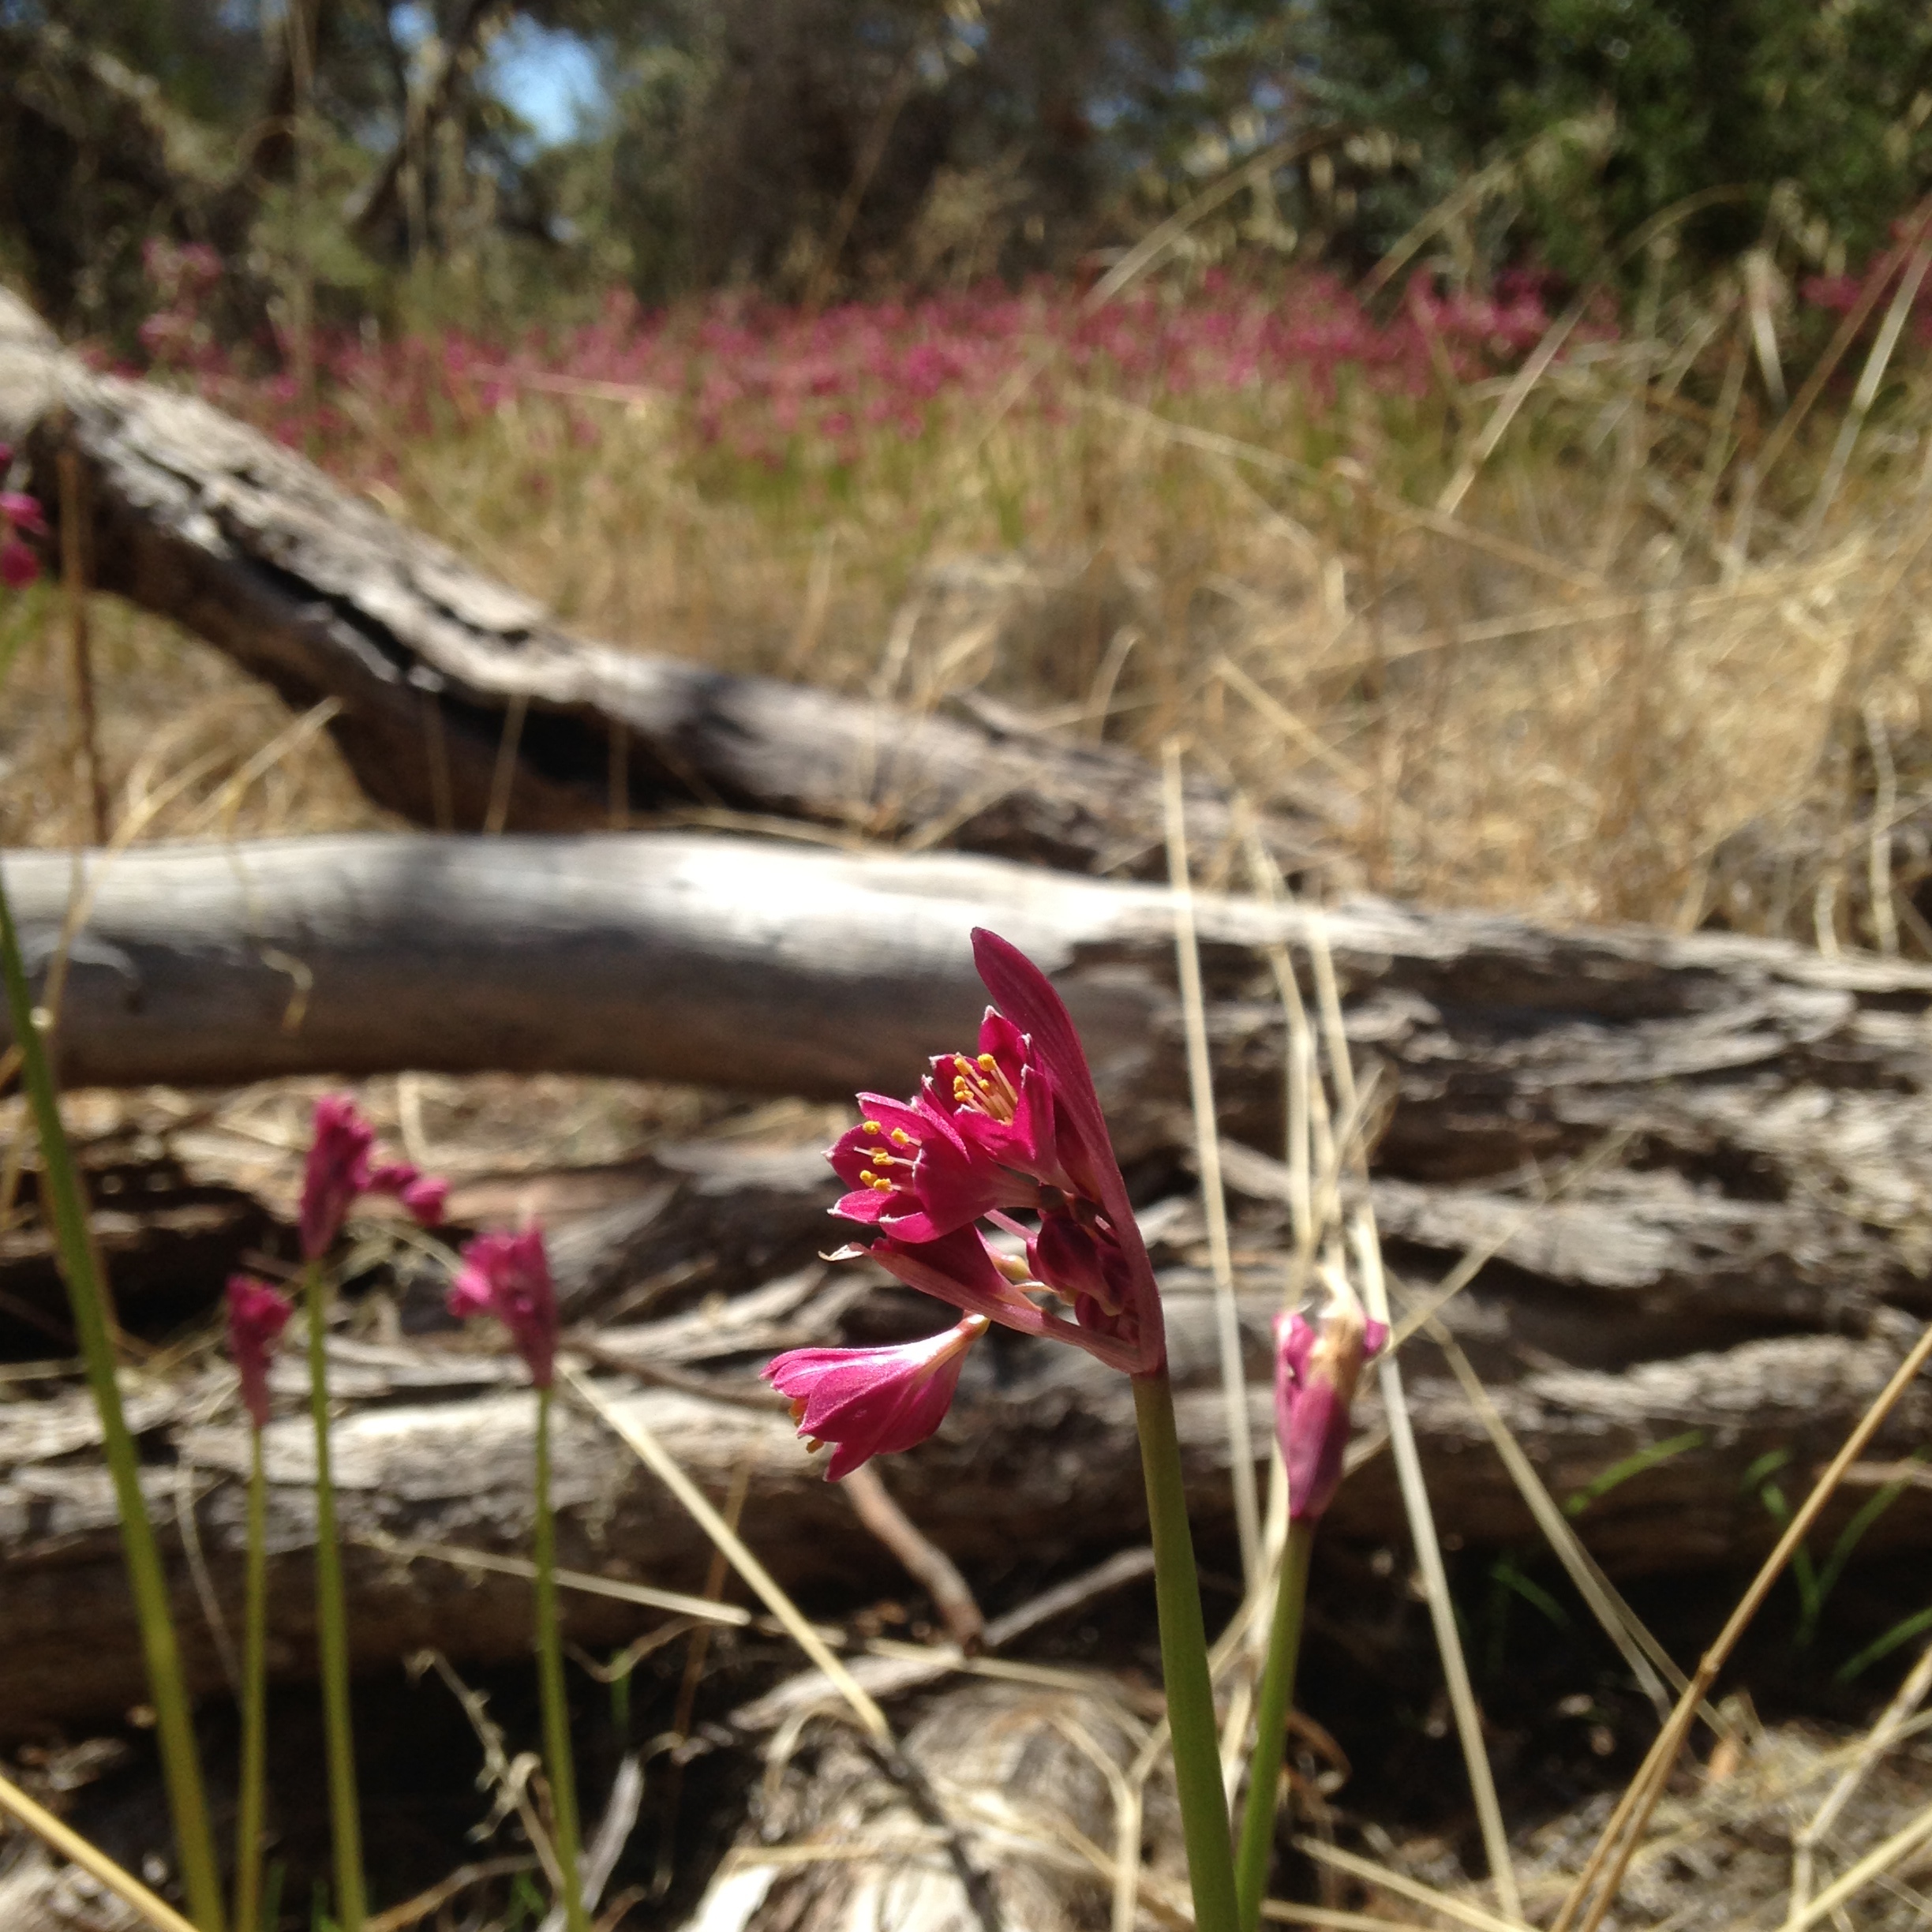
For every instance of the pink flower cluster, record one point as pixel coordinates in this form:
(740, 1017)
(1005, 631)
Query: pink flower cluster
(1014, 1128)
(508, 1276)
(257, 1316)
(19, 565)
(338, 1173)
(761, 383)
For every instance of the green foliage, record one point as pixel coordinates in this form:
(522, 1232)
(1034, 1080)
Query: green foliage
(1830, 102)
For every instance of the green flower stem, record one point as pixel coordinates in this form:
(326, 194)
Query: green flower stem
(1183, 1661)
(254, 1701)
(550, 1681)
(1277, 1697)
(147, 1583)
(332, 1631)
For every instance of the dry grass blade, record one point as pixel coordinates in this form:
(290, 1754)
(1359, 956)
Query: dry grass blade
(656, 1459)
(1214, 1198)
(1866, 392)
(1435, 1578)
(1640, 1650)
(1874, 1864)
(923, 1558)
(1463, 1911)
(1610, 1859)
(1366, 1252)
(1282, 1911)
(1537, 365)
(698, 1608)
(412, 1911)
(1891, 1727)
(96, 1863)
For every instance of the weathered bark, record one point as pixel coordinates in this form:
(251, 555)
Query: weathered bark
(1748, 1278)
(1788, 1092)
(433, 1450)
(975, 1827)
(437, 668)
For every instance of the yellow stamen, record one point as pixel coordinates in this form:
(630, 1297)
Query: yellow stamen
(873, 1127)
(900, 1137)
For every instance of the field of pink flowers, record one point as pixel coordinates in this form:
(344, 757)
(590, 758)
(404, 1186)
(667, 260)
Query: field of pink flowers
(787, 387)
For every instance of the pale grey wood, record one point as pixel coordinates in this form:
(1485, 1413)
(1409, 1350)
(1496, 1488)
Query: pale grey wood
(1037, 1454)
(314, 589)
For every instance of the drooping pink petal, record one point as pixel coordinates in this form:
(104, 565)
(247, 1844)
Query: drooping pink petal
(508, 1276)
(257, 1316)
(1317, 1368)
(961, 1269)
(868, 1402)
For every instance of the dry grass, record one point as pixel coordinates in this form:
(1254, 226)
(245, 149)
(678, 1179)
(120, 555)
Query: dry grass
(1617, 682)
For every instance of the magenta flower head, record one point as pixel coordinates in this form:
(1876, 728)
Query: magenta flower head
(1316, 1369)
(1013, 1128)
(508, 1276)
(868, 1401)
(337, 1173)
(257, 1316)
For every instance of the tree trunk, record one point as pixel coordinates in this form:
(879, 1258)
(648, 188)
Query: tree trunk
(462, 705)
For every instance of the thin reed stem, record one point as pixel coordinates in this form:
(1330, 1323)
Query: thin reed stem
(550, 1682)
(332, 1631)
(1183, 1661)
(254, 1701)
(181, 1766)
(1277, 1698)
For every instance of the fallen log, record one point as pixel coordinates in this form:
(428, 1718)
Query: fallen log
(461, 704)
(1742, 1284)
(1795, 1088)
(433, 1455)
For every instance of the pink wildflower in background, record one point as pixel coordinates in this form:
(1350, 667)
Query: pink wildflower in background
(1317, 1367)
(337, 1173)
(508, 1276)
(18, 565)
(257, 1316)
(1016, 1128)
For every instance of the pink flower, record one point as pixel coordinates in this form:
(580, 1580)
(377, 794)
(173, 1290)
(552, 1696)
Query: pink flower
(1018, 1125)
(24, 512)
(508, 1276)
(1316, 1368)
(913, 1175)
(337, 1173)
(19, 565)
(257, 1316)
(871, 1401)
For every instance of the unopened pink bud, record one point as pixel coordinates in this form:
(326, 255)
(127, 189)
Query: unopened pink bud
(257, 1316)
(1316, 1369)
